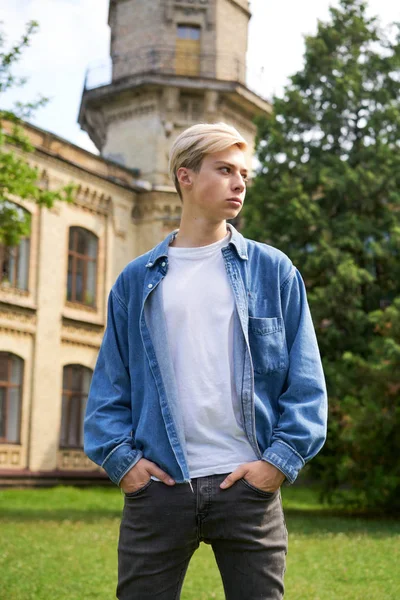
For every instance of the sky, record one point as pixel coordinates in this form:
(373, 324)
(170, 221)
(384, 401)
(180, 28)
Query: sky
(74, 35)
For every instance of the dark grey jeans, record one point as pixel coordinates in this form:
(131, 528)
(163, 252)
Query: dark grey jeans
(162, 526)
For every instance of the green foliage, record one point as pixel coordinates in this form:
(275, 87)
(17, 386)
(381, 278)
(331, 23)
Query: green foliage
(18, 179)
(328, 194)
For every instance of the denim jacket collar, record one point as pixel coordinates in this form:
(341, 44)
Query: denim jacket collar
(161, 251)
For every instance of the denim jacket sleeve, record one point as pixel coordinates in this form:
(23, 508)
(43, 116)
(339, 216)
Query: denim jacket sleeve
(301, 429)
(108, 419)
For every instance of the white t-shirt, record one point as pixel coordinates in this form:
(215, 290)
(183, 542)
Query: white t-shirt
(199, 310)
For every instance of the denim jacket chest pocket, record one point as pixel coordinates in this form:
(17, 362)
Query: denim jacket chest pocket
(267, 344)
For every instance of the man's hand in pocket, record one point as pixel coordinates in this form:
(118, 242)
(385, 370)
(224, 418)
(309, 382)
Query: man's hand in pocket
(140, 474)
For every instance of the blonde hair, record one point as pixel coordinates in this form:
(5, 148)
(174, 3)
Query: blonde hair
(191, 146)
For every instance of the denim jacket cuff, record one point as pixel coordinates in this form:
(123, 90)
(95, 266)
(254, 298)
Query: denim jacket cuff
(284, 458)
(120, 461)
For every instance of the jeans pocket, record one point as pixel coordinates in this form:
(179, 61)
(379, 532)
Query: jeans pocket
(139, 491)
(262, 493)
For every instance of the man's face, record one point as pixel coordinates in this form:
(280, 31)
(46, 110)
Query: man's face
(217, 192)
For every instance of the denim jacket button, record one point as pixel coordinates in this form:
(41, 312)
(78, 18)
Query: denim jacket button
(150, 285)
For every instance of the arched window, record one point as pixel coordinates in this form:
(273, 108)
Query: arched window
(11, 375)
(188, 50)
(82, 266)
(76, 383)
(14, 260)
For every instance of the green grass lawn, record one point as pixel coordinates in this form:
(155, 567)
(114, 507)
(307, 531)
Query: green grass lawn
(60, 544)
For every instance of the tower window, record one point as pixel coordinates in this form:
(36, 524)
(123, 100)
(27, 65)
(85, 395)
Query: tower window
(191, 108)
(188, 50)
(188, 32)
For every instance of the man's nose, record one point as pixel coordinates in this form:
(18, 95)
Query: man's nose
(238, 184)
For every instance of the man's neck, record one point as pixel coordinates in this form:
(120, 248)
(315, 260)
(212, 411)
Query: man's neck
(197, 233)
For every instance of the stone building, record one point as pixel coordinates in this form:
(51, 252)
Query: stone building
(174, 63)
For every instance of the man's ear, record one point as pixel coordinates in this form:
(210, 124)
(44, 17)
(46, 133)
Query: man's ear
(185, 178)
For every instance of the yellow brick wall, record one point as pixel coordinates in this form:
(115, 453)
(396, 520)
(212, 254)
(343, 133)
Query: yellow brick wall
(231, 39)
(144, 32)
(40, 326)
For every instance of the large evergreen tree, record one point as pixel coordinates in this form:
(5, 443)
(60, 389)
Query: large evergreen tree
(328, 194)
(18, 178)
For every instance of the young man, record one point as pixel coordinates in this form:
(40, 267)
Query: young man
(208, 390)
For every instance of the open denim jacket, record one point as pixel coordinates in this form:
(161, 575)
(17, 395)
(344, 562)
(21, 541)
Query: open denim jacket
(133, 408)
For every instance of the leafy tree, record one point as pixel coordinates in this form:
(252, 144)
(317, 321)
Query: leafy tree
(327, 193)
(17, 177)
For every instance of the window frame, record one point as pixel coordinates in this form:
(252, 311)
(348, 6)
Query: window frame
(191, 28)
(6, 256)
(67, 413)
(7, 385)
(75, 255)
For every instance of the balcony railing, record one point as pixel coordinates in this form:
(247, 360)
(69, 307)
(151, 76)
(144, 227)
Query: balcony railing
(168, 61)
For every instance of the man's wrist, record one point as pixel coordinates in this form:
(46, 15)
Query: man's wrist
(284, 458)
(120, 461)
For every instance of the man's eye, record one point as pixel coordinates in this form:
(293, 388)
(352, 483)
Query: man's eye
(225, 169)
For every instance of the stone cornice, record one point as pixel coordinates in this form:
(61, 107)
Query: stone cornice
(10, 456)
(12, 296)
(75, 460)
(80, 333)
(82, 174)
(156, 207)
(90, 199)
(15, 330)
(236, 117)
(17, 320)
(240, 6)
(49, 145)
(190, 7)
(130, 112)
(237, 91)
(168, 189)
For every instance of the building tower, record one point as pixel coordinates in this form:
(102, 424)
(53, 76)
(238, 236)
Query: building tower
(174, 63)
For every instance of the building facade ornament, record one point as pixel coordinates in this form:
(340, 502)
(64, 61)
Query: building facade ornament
(75, 460)
(10, 457)
(92, 200)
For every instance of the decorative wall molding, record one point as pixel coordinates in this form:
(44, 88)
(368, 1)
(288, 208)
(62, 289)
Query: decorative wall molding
(28, 317)
(44, 180)
(10, 457)
(17, 320)
(189, 8)
(10, 291)
(86, 335)
(145, 210)
(92, 201)
(96, 121)
(121, 219)
(131, 113)
(75, 460)
(14, 330)
(242, 5)
(79, 173)
(232, 114)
